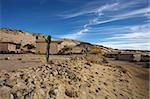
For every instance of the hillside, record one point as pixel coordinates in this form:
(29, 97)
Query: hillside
(16, 36)
(19, 36)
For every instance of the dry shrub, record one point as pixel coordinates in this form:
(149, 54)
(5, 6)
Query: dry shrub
(95, 50)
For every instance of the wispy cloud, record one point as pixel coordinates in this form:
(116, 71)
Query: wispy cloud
(136, 13)
(96, 7)
(75, 35)
(137, 38)
(95, 21)
(136, 35)
(136, 32)
(126, 45)
(85, 28)
(96, 10)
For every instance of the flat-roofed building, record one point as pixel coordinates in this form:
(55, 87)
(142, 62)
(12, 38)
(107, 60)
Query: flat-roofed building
(128, 57)
(7, 47)
(111, 54)
(145, 58)
(41, 45)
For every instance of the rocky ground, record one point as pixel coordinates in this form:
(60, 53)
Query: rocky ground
(75, 77)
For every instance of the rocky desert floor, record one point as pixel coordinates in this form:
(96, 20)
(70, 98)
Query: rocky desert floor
(26, 76)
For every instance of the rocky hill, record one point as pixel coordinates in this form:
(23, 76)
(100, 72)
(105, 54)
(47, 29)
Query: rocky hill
(22, 37)
(17, 36)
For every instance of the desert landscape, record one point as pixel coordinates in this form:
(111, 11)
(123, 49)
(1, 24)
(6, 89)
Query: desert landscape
(74, 49)
(73, 76)
(72, 72)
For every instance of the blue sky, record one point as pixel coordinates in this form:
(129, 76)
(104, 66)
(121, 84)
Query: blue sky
(120, 24)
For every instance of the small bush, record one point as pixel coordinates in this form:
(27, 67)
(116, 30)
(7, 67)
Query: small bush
(18, 46)
(65, 50)
(29, 46)
(104, 60)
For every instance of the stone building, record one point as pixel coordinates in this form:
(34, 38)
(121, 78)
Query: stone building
(111, 54)
(7, 47)
(145, 58)
(41, 45)
(128, 57)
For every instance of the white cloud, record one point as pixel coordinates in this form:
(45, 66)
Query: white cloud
(75, 35)
(85, 28)
(107, 7)
(95, 7)
(98, 11)
(137, 37)
(126, 45)
(126, 15)
(136, 13)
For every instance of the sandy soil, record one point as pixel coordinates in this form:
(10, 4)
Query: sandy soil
(16, 61)
(139, 75)
(75, 77)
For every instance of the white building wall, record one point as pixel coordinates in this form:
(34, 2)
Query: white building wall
(12, 47)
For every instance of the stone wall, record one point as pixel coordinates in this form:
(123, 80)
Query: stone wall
(3, 47)
(41, 48)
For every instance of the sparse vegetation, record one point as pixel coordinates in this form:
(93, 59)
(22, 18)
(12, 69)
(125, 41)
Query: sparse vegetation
(85, 50)
(19, 31)
(65, 50)
(104, 60)
(18, 46)
(95, 50)
(29, 46)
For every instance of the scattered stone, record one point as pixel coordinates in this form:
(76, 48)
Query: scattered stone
(55, 73)
(106, 97)
(71, 93)
(120, 80)
(121, 94)
(7, 58)
(99, 88)
(53, 93)
(124, 70)
(19, 58)
(96, 90)
(2, 82)
(42, 81)
(114, 89)
(88, 63)
(105, 83)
